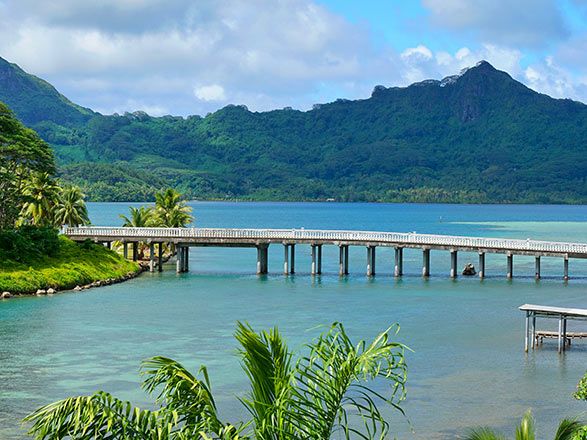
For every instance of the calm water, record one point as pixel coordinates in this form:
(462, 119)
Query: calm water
(468, 366)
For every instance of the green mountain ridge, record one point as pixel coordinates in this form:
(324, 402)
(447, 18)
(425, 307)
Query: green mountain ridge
(479, 136)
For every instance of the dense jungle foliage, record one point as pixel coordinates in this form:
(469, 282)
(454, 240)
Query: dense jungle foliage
(476, 137)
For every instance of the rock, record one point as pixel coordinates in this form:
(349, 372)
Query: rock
(6, 295)
(77, 288)
(469, 270)
(41, 292)
(50, 291)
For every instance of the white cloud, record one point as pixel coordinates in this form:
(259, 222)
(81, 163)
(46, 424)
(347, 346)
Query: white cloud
(521, 23)
(555, 81)
(181, 57)
(210, 93)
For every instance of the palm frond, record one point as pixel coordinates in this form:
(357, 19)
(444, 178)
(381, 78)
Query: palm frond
(182, 395)
(330, 385)
(267, 363)
(568, 428)
(526, 430)
(482, 433)
(99, 416)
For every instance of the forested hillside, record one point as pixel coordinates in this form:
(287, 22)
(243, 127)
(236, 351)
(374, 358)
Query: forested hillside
(476, 137)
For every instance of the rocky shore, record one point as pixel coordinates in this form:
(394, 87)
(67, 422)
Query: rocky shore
(78, 288)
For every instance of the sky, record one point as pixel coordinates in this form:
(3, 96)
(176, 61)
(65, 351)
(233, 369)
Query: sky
(186, 57)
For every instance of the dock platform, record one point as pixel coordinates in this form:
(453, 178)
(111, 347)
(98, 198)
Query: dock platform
(562, 314)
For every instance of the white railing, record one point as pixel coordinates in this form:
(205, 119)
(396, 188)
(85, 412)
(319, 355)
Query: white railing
(327, 236)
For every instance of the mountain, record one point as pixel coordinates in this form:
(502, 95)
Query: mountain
(35, 100)
(479, 136)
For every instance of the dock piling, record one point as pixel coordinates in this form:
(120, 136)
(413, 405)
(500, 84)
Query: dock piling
(537, 265)
(510, 266)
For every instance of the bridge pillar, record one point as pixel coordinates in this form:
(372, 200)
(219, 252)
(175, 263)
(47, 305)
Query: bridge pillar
(151, 257)
(262, 254)
(135, 250)
(370, 261)
(340, 260)
(537, 265)
(109, 244)
(399, 261)
(313, 252)
(453, 264)
(286, 259)
(292, 259)
(319, 268)
(346, 259)
(425, 262)
(566, 269)
(160, 257)
(179, 262)
(481, 264)
(510, 266)
(125, 250)
(186, 259)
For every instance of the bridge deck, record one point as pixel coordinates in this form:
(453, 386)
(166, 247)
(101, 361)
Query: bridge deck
(257, 237)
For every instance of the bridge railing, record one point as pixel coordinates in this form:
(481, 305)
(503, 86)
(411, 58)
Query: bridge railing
(398, 238)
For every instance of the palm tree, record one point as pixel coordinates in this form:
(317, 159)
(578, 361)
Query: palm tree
(141, 217)
(526, 430)
(170, 211)
(42, 194)
(323, 392)
(71, 209)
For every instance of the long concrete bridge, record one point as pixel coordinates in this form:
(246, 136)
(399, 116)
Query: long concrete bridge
(183, 238)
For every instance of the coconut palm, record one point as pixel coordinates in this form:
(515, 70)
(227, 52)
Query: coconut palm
(170, 211)
(322, 393)
(42, 194)
(526, 430)
(71, 209)
(141, 217)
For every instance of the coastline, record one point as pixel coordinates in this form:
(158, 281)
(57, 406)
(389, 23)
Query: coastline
(76, 266)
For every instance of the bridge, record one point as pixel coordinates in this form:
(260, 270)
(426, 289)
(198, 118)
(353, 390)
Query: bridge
(183, 238)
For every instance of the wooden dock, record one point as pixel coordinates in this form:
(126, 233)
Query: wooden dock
(562, 314)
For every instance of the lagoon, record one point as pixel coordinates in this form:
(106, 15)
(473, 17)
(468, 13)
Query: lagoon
(468, 365)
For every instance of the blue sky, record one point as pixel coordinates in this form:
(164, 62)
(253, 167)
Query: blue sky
(184, 57)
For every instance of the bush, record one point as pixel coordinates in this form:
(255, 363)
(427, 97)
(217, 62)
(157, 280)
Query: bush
(29, 242)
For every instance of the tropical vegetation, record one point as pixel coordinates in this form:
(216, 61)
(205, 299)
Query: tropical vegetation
(32, 205)
(34, 258)
(477, 137)
(324, 393)
(526, 430)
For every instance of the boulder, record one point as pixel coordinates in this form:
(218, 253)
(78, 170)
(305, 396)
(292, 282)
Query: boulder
(41, 292)
(50, 291)
(77, 288)
(6, 295)
(469, 270)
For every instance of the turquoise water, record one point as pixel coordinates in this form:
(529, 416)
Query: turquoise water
(468, 366)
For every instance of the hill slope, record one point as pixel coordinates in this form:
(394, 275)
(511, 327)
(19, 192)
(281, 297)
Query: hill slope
(475, 137)
(35, 100)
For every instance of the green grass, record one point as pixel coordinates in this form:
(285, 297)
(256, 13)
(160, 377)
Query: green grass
(74, 264)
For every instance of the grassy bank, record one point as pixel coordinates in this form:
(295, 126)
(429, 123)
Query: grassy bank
(72, 264)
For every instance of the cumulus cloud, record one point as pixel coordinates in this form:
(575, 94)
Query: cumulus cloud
(555, 81)
(210, 93)
(186, 57)
(422, 63)
(526, 23)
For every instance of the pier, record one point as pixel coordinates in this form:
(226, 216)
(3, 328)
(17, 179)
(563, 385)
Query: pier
(183, 238)
(562, 314)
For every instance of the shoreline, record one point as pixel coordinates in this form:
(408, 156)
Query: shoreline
(52, 290)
